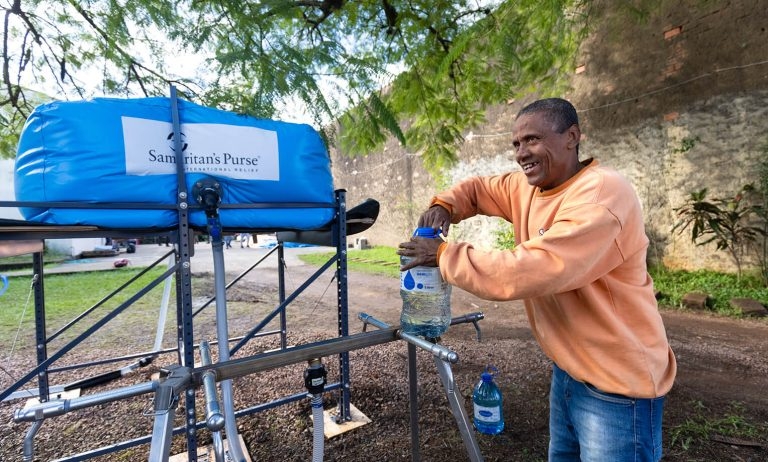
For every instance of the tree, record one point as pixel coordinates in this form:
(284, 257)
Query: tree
(421, 70)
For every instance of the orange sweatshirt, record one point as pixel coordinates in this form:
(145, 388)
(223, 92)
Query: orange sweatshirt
(579, 265)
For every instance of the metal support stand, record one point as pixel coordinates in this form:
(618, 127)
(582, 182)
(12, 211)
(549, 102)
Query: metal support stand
(459, 413)
(443, 357)
(40, 328)
(214, 419)
(185, 333)
(340, 240)
(413, 391)
(166, 400)
(177, 380)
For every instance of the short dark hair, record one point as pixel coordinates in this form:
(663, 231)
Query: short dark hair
(560, 112)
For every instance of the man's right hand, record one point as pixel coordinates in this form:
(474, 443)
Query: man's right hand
(436, 217)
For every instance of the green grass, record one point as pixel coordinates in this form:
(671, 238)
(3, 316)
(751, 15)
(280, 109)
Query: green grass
(721, 287)
(702, 425)
(67, 295)
(376, 260)
(49, 257)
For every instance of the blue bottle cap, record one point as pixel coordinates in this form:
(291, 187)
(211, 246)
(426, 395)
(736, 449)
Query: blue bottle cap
(489, 373)
(425, 232)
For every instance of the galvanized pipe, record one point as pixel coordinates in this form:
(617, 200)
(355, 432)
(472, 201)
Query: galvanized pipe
(214, 420)
(222, 333)
(244, 366)
(438, 351)
(29, 443)
(62, 406)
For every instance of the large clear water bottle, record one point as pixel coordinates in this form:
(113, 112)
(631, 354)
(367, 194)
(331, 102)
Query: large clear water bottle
(486, 400)
(426, 297)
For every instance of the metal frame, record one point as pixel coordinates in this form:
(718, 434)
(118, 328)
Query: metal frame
(183, 236)
(185, 316)
(177, 379)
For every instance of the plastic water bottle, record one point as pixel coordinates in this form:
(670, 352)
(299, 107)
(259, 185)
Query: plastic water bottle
(426, 297)
(486, 399)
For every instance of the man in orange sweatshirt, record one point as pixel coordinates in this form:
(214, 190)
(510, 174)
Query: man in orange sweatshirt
(579, 265)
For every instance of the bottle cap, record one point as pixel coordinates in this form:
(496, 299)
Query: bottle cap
(425, 232)
(489, 373)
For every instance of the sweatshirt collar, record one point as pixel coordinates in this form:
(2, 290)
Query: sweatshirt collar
(587, 163)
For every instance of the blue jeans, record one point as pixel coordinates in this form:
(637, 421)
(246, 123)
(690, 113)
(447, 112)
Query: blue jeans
(588, 425)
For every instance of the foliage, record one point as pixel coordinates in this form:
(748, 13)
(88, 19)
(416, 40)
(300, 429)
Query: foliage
(761, 200)
(729, 222)
(722, 287)
(505, 237)
(261, 58)
(518, 48)
(687, 144)
(702, 426)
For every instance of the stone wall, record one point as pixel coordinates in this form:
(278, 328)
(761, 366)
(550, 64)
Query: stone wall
(675, 100)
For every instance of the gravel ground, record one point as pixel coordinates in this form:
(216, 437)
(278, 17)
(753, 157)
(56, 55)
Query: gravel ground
(723, 363)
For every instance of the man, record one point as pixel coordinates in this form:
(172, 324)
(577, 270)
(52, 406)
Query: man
(579, 265)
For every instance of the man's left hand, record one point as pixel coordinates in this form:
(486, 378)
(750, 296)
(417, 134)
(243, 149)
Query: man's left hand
(422, 251)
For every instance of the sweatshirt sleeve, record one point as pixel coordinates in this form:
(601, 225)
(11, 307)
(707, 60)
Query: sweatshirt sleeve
(577, 249)
(476, 196)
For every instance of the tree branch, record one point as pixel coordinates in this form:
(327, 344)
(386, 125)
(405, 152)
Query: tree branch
(133, 64)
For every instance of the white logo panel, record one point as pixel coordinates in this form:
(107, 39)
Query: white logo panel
(231, 151)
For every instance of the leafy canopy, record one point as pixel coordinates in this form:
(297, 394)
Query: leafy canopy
(420, 70)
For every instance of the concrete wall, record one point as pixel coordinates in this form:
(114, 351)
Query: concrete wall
(676, 101)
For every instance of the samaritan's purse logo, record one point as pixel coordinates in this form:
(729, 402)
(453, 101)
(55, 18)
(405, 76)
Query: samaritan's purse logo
(184, 144)
(222, 150)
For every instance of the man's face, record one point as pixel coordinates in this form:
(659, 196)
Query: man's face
(547, 158)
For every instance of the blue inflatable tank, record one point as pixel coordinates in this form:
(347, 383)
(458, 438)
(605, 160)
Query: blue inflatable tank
(109, 150)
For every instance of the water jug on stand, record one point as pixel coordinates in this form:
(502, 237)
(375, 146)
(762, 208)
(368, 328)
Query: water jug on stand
(426, 296)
